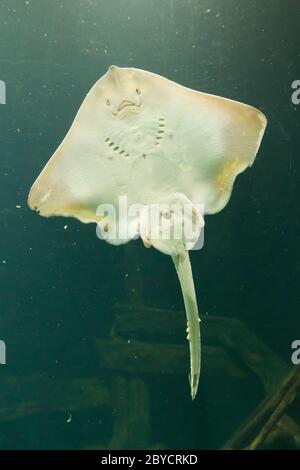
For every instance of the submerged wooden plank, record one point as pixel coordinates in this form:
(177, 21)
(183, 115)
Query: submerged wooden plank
(245, 350)
(254, 433)
(285, 434)
(23, 396)
(131, 407)
(159, 358)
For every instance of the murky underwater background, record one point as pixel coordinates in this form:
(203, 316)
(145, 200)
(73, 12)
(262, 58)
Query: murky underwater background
(77, 314)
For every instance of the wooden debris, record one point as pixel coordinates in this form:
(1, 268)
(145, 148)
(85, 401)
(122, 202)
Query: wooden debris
(242, 350)
(158, 358)
(131, 427)
(38, 394)
(269, 416)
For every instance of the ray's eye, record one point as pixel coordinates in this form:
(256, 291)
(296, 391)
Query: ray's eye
(108, 102)
(138, 91)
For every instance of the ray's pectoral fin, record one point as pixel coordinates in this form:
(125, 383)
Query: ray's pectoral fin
(184, 271)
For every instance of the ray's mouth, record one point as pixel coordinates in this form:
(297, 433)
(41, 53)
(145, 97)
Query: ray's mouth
(127, 104)
(124, 104)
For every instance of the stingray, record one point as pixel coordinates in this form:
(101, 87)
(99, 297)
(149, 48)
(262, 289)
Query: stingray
(140, 136)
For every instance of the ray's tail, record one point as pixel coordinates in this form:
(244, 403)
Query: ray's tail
(185, 275)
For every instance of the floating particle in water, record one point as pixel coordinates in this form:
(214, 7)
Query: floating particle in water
(69, 418)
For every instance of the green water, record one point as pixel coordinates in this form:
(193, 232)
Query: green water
(59, 287)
